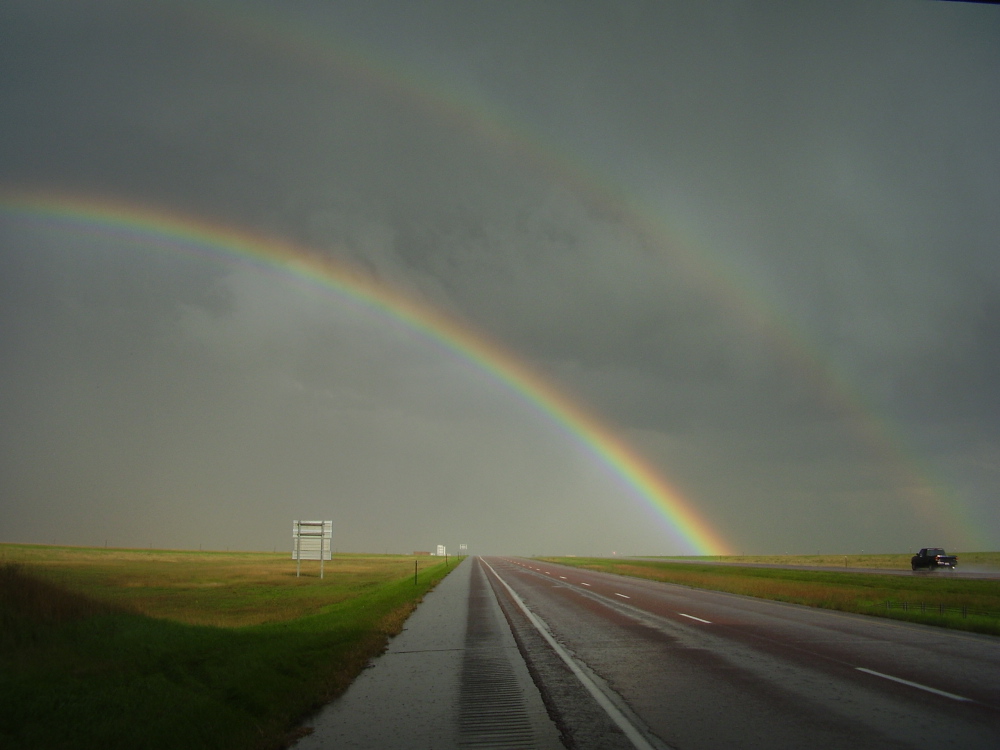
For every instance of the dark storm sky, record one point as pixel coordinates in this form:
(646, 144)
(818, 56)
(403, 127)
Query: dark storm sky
(760, 239)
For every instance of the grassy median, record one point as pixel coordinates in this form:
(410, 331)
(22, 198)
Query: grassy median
(153, 649)
(931, 598)
(892, 561)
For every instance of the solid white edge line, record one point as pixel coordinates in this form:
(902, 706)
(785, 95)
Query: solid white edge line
(916, 685)
(633, 734)
(692, 617)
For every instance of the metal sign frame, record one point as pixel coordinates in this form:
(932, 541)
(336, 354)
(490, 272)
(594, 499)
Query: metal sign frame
(313, 540)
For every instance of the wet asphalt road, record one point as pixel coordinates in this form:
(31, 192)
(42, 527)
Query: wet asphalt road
(513, 653)
(696, 669)
(454, 678)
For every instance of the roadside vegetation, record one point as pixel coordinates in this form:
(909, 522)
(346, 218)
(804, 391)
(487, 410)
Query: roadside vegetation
(141, 648)
(936, 598)
(898, 561)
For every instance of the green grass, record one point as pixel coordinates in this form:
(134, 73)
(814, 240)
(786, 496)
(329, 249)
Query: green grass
(899, 561)
(864, 593)
(127, 649)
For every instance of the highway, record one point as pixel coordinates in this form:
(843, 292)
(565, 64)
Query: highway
(626, 663)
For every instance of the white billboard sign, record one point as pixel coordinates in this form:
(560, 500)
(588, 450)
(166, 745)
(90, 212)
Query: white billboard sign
(312, 540)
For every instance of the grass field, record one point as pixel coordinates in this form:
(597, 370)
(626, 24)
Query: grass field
(165, 649)
(931, 598)
(901, 561)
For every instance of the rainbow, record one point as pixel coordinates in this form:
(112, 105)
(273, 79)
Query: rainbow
(179, 233)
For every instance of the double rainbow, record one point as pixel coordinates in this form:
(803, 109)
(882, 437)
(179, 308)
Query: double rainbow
(314, 47)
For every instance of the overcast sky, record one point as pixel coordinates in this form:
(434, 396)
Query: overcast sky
(758, 239)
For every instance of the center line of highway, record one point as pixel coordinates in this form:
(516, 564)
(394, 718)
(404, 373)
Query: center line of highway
(622, 595)
(584, 584)
(915, 684)
(692, 617)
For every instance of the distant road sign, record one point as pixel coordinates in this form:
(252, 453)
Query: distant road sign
(312, 540)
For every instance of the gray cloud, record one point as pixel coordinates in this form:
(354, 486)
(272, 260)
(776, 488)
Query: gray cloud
(759, 239)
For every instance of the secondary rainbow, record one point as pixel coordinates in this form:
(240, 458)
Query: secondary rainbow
(185, 234)
(316, 46)
(911, 477)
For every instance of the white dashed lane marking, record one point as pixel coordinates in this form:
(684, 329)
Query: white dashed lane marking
(692, 617)
(917, 685)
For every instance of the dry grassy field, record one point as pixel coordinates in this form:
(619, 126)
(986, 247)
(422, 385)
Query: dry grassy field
(223, 589)
(165, 649)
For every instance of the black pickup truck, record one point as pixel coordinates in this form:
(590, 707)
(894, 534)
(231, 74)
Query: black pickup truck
(933, 558)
